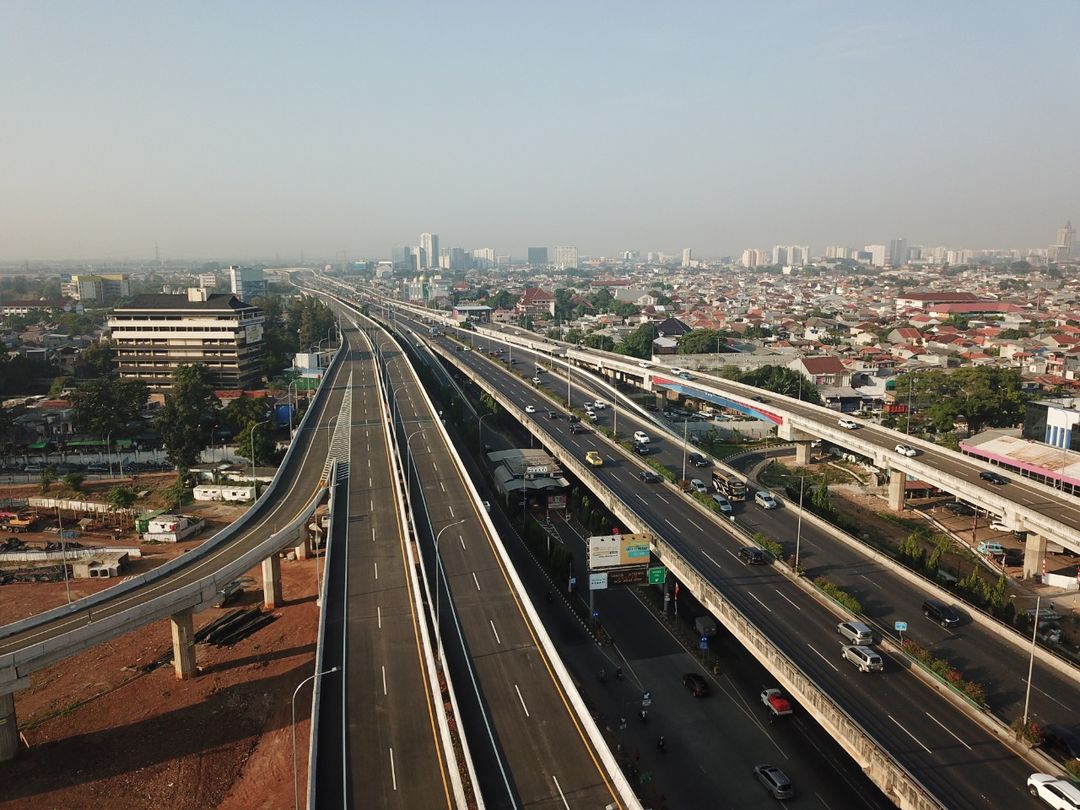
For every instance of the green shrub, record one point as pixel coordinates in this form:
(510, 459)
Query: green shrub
(838, 594)
(945, 670)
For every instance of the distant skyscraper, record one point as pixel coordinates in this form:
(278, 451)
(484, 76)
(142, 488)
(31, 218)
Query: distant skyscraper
(687, 257)
(483, 257)
(566, 258)
(1063, 247)
(430, 243)
(779, 255)
(898, 252)
(538, 255)
(749, 257)
(247, 283)
(877, 254)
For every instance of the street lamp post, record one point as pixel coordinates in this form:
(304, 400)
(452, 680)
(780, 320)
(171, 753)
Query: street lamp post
(438, 568)
(254, 485)
(408, 458)
(684, 422)
(480, 427)
(1031, 661)
(108, 451)
(293, 402)
(798, 529)
(295, 769)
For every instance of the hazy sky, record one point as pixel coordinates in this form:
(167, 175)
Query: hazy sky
(241, 130)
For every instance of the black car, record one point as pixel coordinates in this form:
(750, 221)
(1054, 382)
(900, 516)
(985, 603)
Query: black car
(573, 418)
(641, 449)
(1062, 740)
(959, 508)
(552, 415)
(993, 477)
(648, 476)
(577, 427)
(941, 612)
(753, 556)
(697, 685)
(699, 460)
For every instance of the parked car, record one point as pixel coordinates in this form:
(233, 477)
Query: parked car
(697, 685)
(698, 460)
(993, 477)
(1060, 794)
(641, 449)
(960, 508)
(752, 555)
(848, 424)
(535, 380)
(904, 450)
(1062, 740)
(698, 486)
(999, 526)
(775, 781)
(648, 476)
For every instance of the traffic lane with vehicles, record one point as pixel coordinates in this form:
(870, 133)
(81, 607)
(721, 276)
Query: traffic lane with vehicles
(886, 598)
(544, 745)
(897, 715)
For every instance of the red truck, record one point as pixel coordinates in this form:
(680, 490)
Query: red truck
(775, 702)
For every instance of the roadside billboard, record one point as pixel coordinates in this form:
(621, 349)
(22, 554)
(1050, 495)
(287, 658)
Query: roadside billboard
(617, 550)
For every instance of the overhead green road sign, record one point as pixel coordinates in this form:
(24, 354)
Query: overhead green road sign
(657, 575)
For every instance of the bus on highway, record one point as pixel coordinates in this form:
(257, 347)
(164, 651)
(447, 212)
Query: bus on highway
(729, 485)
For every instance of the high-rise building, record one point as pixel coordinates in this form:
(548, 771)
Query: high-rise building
(779, 255)
(538, 256)
(566, 258)
(687, 257)
(155, 334)
(429, 242)
(898, 252)
(97, 289)
(878, 254)
(459, 259)
(837, 252)
(246, 283)
(483, 257)
(1063, 248)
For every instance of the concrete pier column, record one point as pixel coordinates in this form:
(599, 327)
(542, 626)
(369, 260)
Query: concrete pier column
(802, 453)
(271, 570)
(1034, 555)
(183, 644)
(897, 485)
(9, 728)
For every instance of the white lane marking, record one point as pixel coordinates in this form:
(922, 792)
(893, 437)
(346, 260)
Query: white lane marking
(442, 486)
(662, 498)
(371, 508)
(434, 466)
(462, 541)
(451, 507)
(823, 658)
(523, 706)
(393, 773)
(786, 599)
(734, 556)
(378, 613)
(864, 576)
(474, 579)
(760, 602)
(968, 747)
(669, 523)
(710, 559)
(916, 739)
(558, 787)
(493, 630)
(640, 498)
(370, 485)
(383, 679)
(1047, 694)
(694, 525)
(376, 570)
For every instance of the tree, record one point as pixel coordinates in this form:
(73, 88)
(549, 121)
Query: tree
(703, 341)
(185, 419)
(73, 481)
(48, 475)
(779, 380)
(262, 444)
(599, 341)
(121, 497)
(105, 406)
(96, 360)
(502, 300)
(244, 411)
(639, 342)
(177, 493)
(821, 501)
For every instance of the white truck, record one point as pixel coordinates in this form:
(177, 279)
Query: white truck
(776, 703)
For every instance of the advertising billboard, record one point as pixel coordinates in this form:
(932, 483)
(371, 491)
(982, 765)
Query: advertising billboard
(611, 551)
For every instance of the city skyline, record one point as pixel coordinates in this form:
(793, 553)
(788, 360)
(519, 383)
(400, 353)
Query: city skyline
(716, 127)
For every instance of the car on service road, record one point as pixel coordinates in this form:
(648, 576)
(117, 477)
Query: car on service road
(697, 685)
(775, 781)
(765, 499)
(698, 486)
(536, 380)
(722, 503)
(1058, 793)
(641, 437)
(698, 460)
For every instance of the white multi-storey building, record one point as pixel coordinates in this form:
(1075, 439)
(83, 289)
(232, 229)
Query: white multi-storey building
(566, 258)
(155, 334)
(429, 244)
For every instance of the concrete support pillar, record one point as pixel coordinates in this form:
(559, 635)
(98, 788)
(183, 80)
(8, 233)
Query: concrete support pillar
(271, 568)
(802, 453)
(1034, 555)
(897, 484)
(183, 644)
(9, 728)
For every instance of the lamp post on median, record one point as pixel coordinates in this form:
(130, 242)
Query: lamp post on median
(684, 421)
(438, 568)
(293, 402)
(408, 458)
(295, 770)
(1031, 661)
(480, 427)
(798, 529)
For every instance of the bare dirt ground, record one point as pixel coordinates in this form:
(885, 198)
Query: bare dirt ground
(101, 733)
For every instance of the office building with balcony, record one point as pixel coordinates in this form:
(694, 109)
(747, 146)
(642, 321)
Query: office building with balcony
(155, 334)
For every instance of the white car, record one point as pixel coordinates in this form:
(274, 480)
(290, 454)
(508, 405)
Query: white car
(599, 404)
(765, 499)
(904, 450)
(641, 437)
(536, 380)
(698, 486)
(530, 409)
(675, 370)
(1000, 526)
(1056, 792)
(848, 424)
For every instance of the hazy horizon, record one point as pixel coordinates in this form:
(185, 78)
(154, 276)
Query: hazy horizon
(255, 129)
